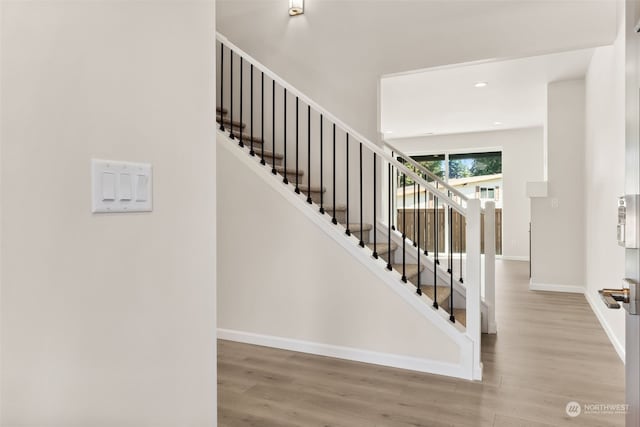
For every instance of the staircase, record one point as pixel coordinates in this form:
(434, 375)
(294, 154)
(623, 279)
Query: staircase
(359, 188)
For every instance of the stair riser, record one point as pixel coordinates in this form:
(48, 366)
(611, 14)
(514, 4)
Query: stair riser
(227, 124)
(385, 255)
(341, 216)
(366, 235)
(268, 159)
(315, 195)
(246, 139)
(292, 178)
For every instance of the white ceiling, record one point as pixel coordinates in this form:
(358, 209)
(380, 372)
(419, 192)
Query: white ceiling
(337, 51)
(445, 100)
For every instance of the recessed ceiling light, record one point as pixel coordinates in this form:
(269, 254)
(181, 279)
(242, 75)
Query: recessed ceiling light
(481, 84)
(388, 131)
(497, 123)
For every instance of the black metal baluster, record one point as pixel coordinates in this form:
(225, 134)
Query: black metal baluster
(297, 148)
(435, 251)
(348, 232)
(251, 116)
(375, 191)
(273, 127)
(395, 212)
(231, 96)
(390, 205)
(451, 316)
(404, 227)
(450, 260)
(285, 179)
(334, 219)
(221, 87)
(426, 222)
(309, 154)
(415, 230)
(361, 243)
(460, 247)
(262, 161)
(240, 142)
(321, 166)
(419, 290)
(393, 200)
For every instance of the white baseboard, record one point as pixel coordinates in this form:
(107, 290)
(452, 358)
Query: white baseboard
(555, 288)
(596, 307)
(512, 258)
(348, 353)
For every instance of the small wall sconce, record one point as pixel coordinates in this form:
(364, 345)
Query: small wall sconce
(296, 7)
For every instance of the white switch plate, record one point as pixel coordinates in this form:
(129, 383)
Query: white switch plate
(120, 186)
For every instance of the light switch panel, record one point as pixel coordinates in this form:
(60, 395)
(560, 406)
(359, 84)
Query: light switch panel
(121, 186)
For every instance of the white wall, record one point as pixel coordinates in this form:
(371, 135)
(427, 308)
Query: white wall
(107, 319)
(337, 51)
(605, 179)
(521, 162)
(310, 290)
(557, 221)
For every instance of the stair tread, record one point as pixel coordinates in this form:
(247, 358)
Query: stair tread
(383, 248)
(247, 137)
(314, 189)
(267, 154)
(443, 292)
(222, 110)
(461, 315)
(339, 208)
(410, 269)
(290, 171)
(355, 226)
(227, 121)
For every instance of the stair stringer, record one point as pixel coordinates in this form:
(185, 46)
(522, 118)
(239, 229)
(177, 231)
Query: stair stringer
(444, 334)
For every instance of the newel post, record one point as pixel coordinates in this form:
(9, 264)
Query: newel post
(490, 264)
(473, 282)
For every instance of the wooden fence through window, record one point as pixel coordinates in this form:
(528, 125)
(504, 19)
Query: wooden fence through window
(427, 219)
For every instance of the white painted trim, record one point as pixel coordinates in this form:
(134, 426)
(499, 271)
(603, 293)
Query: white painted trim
(512, 258)
(549, 287)
(439, 318)
(380, 151)
(597, 306)
(348, 353)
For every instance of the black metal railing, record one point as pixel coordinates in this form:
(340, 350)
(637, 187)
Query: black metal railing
(420, 215)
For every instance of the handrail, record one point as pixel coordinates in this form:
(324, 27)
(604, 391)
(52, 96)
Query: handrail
(370, 145)
(426, 171)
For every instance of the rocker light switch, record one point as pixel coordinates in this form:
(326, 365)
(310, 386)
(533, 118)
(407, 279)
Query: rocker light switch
(142, 188)
(108, 186)
(125, 186)
(120, 186)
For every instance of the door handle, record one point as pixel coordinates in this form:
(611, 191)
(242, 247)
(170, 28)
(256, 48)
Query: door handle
(610, 297)
(627, 296)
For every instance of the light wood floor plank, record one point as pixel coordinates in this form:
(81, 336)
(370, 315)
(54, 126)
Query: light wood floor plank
(550, 349)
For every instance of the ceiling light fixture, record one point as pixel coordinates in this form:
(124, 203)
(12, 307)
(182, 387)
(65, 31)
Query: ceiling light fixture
(296, 7)
(497, 123)
(481, 84)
